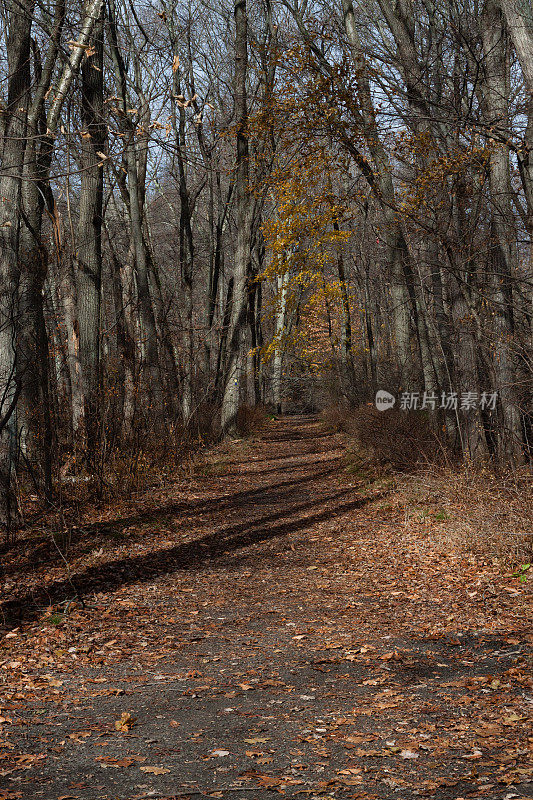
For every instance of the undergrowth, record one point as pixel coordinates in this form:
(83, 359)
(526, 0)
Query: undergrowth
(126, 470)
(472, 510)
(464, 507)
(391, 441)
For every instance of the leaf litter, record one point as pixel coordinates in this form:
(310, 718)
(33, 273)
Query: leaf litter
(281, 606)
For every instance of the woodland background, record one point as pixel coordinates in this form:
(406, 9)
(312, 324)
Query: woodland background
(207, 208)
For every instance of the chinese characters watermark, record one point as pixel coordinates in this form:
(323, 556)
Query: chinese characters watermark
(448, 401)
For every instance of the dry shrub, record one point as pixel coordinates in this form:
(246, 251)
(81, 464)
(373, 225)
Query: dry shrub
(152, 458)
(386, 441)
(156, 453)
(250, 419)
(206, 427)
(473, 510)
(336, 418)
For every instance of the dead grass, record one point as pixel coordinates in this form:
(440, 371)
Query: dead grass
(465, 508)
(471, 510)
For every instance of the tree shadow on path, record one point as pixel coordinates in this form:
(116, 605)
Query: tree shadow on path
(185, 556)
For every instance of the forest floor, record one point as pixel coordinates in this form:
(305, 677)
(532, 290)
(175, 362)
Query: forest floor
(267, 626)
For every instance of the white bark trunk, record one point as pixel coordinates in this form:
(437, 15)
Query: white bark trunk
(277, 361)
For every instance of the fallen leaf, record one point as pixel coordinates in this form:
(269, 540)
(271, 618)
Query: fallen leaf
(28, 761)
(511, 719)
(408, 754)
(127, 761)
(474, 756)
(154, 770)
(488, 730)
(125, 723)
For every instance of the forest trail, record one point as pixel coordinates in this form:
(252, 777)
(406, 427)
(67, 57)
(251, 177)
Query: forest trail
(264, 626)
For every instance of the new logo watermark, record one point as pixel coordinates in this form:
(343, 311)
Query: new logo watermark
(449, 401)
(384, 400)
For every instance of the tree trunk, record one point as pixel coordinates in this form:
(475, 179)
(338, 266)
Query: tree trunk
(88, 260)
(397, 252)
(230, 402)
(519, 18)
(122, 280)
(277, 361)
(504, 257)
(18, 57)
(151, 367)
(33, 414)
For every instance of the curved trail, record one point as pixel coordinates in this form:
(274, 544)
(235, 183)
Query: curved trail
(270, 628)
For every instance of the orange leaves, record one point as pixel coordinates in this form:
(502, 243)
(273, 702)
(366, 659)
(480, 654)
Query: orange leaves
(431, 171)
(309, 227)
(119, 763)
(80, 736)
(24, 761)
(125, 723)
(270, 781)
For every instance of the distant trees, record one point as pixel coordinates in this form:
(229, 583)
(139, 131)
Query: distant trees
(434, 115)
(202, 208)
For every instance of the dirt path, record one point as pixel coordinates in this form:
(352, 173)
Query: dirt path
(270, 628)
